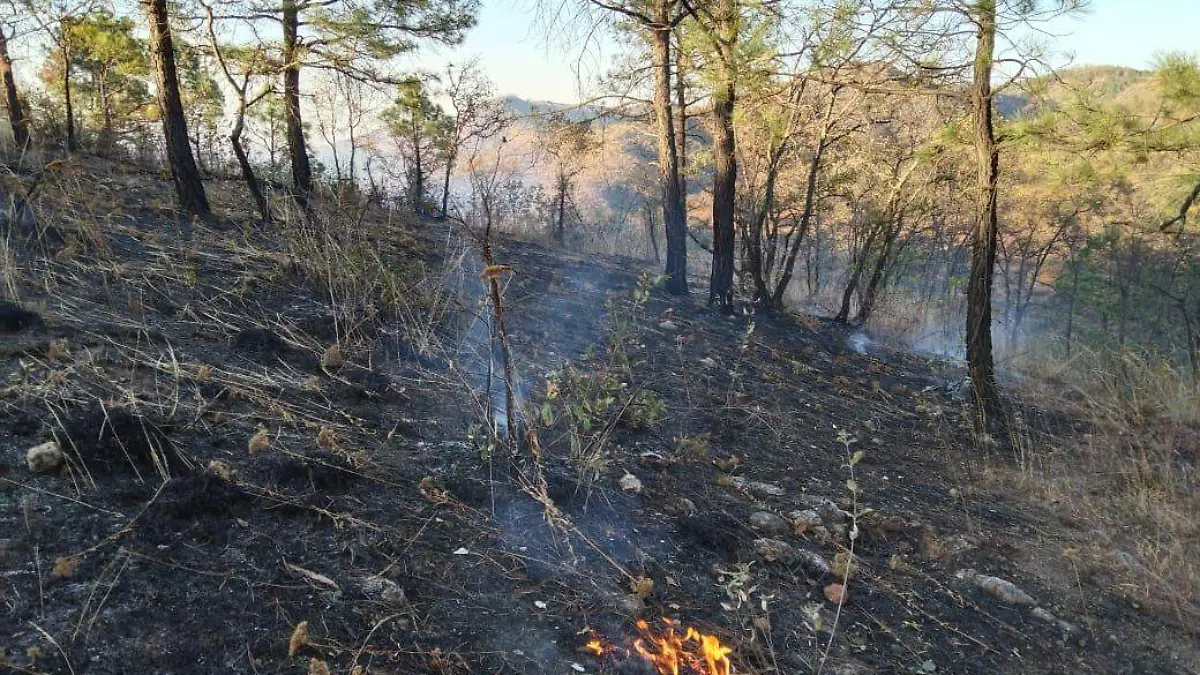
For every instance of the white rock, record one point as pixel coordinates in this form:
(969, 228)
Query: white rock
(998, 588)
(45, 458)
(667, 325)
(708, 363)
(631, 483)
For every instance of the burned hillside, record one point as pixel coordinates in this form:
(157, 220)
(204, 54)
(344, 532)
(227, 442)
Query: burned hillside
(233, 448)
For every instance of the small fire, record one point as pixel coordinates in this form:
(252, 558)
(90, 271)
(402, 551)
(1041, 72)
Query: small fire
(674, 651)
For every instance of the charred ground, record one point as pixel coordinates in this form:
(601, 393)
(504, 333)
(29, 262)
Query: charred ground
(255, 440)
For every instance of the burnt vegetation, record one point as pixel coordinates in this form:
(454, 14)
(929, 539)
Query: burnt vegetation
(366, 371)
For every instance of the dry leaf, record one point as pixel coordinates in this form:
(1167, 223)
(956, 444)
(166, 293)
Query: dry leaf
(309, 574)
(843, 564)
(66, 566)
(260, 441)
(299, 638)
(642, 587)
(58, 350)
(836, 593)
(325, 438)
(317, 667)
(223, 469)
(493, 271)
(332, 358)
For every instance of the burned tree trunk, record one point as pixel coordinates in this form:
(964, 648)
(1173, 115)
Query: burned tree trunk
(297, 148)
(980, 359)
(188, 186)
(720, 291)
(16, 115)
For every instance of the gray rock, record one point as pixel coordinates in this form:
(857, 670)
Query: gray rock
(770, 523)
(848, 667)
(769, 489)
(631, 483)
(383, 590)
(806, 519)
(814, 562)
(45, 458)
(773, 550)
(829, 511)
(1045, 615)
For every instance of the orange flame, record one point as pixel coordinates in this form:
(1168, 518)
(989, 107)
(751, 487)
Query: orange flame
(672, 653)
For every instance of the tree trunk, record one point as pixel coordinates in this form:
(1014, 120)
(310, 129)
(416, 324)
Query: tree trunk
(106, 133)
(418, 177)
(980, 360)
(674, 219)
(806, 216)
(648, 216)
(681, 121)
(720, 290)
(875, 283)
(16, 115)
(450, 157)
(235, 139)
(184, 173)
(69, 109)
(560, 223)
(856, 273)
(297, 148)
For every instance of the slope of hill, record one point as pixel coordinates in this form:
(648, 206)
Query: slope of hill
(274, 460)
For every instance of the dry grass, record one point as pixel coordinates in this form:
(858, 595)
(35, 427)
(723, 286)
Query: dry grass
(1131, 480)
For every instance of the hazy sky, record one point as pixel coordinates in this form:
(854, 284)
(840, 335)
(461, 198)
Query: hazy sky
(512, 44)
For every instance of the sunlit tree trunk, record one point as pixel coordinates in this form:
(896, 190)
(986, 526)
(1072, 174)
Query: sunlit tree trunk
(16, 115)
(980, 359)
(297, 148)
(674, 219)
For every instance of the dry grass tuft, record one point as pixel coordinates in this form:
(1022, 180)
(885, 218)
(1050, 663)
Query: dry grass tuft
(1132, 478)
(299, 639)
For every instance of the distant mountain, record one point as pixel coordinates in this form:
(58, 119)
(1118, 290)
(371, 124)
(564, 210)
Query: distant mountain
(1118, 84)
(525, 108)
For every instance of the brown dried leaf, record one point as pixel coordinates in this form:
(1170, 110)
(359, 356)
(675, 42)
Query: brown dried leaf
(66, 566)
(260, 441)
(643, 587)
(318, 667)
(325, 438)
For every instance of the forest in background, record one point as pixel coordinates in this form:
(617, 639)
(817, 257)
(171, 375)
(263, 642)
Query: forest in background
(838, 173)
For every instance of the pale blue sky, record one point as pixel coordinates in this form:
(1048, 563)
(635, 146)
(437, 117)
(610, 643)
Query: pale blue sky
(511, 42)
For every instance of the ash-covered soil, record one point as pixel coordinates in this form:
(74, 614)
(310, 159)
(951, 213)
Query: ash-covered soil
(268, 472)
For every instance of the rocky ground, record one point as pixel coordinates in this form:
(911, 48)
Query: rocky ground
(246, 463)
